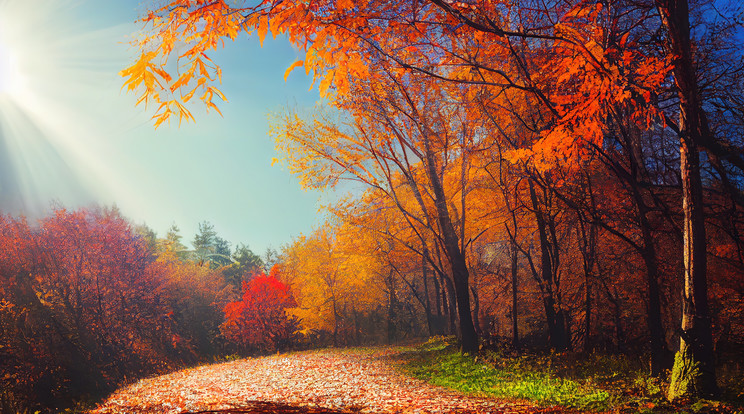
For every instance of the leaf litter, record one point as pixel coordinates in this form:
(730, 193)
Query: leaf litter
(327, 381)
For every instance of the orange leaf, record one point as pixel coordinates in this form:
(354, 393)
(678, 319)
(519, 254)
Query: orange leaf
(291, 67)
(263, 28)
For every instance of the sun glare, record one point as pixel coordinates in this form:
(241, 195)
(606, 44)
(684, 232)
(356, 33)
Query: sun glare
(53, 75)
(10, 77)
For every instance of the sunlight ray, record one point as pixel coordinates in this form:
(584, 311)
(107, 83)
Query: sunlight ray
(53, 114)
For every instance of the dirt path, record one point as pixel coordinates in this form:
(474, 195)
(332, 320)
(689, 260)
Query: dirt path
(328, 381)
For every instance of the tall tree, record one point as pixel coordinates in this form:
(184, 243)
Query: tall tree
(694, 368)
(566, 58)
(404, 127)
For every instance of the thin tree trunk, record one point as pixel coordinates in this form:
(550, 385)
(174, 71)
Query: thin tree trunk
(448, 295)
(694, 365)
(556, 327)
(439, 325)
(392, 304)
(514, 280)
(427, 302)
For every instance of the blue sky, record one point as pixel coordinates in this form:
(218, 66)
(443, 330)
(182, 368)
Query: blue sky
(84, 141)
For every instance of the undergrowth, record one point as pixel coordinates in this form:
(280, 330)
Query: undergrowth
(593, 382)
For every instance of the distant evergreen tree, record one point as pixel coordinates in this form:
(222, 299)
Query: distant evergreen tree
(221, 256)
(172, 243)
(245, 264)
(204, 242)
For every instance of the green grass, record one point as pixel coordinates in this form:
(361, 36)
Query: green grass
(440, 363)
(594, 382)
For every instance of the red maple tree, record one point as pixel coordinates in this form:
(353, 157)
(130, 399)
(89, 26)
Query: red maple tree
(259, 320)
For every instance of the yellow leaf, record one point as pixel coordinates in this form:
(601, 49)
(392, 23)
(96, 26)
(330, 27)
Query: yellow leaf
(218, 92)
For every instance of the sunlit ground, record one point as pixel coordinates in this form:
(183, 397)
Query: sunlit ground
(50, 141)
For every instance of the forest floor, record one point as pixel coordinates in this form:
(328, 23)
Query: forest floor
(431, 377)
(368, 380)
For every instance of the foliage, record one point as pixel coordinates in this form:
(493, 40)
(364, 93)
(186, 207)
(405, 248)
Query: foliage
(209, 248)
(88, 302)
(259, 321)
(82, 306)
(533, 168)
(194, 295)
(245, 263)
(335, 287)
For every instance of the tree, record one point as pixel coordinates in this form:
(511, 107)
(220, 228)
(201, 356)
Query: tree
(172, 243)
(259, 321)
(694, 368)
(209, 248)
(245, 263)
(195, 296)
(82, 306)
(333, 282)
(204, 243)
(577, 64)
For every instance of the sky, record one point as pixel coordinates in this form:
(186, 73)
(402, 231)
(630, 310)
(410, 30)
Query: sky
(71, 136)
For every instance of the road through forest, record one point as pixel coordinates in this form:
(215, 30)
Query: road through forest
(327, 381)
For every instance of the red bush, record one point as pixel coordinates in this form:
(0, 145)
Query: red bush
(259, 320)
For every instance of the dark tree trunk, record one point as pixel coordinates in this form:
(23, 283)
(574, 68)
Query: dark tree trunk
(514, 280)
(659, 351)
(660, 361)
(427, 301)
(556, 325)
(458, 265)
(587, 313)
(392, 304)
(450, 309)
(476, 310)
(439, 320)
(694, 370)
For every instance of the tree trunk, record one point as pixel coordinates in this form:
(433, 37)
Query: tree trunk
(392, 304)
(660, 361)
(659, 351)
(427, 302)
(439, 320)
(556, 327)
(448, 297)
(335, 321)
(694, 366)
(694, 370)
(587, 313)
(458, 265)
(476, 310)
(588, 246)
(514, 280)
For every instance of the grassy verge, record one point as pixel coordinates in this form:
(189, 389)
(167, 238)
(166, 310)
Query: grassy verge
(593, 383)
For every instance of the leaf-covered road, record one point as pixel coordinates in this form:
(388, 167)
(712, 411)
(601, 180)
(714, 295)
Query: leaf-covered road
(328, 381)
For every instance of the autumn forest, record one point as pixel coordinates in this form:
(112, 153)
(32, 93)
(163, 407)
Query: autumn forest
(528, 177)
